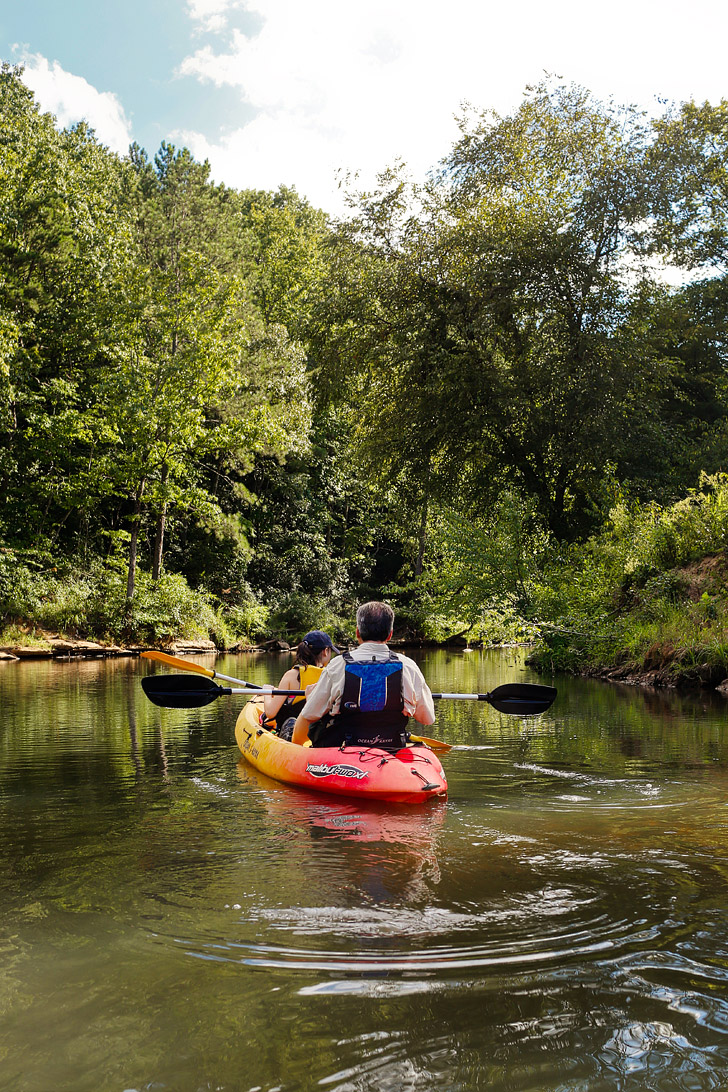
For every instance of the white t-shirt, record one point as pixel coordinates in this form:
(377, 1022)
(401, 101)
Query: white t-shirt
(326, 698)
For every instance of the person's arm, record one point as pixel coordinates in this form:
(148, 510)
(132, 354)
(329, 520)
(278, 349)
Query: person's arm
(300, 729)
(424, 706)
(317, 704)
(289, 681)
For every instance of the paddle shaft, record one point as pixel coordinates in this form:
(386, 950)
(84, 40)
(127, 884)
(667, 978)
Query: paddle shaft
(190, 665)
(252, 689)
(465, 697)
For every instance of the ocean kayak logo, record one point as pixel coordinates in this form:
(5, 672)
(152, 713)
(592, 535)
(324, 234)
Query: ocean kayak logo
(322, 769)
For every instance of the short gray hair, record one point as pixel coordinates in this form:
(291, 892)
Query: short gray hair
(374, 621)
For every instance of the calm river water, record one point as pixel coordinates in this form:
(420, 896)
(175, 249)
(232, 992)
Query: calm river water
(173, 921)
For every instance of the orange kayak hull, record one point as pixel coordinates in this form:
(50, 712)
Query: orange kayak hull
(409, 776)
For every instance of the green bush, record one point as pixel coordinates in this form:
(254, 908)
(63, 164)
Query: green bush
(89, 600)
(248, 620)
(294, 614)
(622, 597)
(160, 610)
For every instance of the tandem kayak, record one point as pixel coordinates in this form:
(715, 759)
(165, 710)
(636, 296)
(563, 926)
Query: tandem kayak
(408, 776)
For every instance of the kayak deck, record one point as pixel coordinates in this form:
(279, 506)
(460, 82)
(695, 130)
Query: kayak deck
(410, 775)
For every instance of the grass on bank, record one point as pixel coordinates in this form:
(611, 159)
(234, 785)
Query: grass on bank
(647, 596)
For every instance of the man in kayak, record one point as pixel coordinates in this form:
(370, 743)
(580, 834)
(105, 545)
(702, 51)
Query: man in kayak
(365, 697)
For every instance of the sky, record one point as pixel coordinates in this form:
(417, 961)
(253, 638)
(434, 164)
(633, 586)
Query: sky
(305, 93)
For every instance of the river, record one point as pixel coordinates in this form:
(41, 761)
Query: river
(174, 922)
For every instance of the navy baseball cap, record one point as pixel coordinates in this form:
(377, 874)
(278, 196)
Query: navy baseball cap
(319, 640)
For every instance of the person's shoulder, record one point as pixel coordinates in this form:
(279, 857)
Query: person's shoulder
(409, 661)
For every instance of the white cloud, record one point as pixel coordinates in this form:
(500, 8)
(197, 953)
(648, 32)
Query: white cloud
(71, 98)
(212, 14)
(354, 86)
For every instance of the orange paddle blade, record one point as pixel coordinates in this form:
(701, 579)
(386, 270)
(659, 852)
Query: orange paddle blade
(175, 661)
(434, 744)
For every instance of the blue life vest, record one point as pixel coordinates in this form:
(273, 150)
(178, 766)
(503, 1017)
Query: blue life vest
(371, 710)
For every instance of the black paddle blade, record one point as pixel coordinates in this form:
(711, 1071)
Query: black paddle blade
(180, 691)
(524, 698)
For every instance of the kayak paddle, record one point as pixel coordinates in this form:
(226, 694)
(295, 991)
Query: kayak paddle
(179, 692)
(190, 665)
(436, 745)
(524, 698)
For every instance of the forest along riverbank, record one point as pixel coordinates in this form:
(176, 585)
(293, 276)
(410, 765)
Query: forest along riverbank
(252, 479)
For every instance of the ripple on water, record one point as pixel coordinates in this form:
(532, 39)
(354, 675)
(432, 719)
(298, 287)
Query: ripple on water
(593, 792)
(691, 987)
(382, 943)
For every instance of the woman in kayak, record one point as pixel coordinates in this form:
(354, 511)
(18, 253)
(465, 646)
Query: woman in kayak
(312, 656)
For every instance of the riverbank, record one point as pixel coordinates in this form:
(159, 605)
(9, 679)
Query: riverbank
(41, 645)
(35, 643)
(644, 601)
(46, 646)
(667, 630)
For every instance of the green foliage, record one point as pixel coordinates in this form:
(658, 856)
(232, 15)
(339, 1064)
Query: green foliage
(248, 620)
(424, 613)
(483, 310)
(313, 522)
(22, 636)
(651, 590)
(132, 354)
(92, 602)
(691, 156)
(649, 538)
(481, 574)
(262, 418)
(286, 238)
(293, 615)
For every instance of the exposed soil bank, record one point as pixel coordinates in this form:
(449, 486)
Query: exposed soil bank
(47, 645)
(703, 677)
(56, 647)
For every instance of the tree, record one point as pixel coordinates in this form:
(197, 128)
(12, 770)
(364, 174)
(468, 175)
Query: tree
(690, 157)
(285, 238)
(65, 243)
(543, 206)
(483, 308)
(186, 340)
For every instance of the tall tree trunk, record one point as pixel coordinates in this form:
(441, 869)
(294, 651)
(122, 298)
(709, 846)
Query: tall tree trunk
(161, 525)
(136, 520)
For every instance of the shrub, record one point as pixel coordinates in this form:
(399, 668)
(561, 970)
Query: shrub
(295, 613)
(89, 600)
(627, 592)
(249, 620)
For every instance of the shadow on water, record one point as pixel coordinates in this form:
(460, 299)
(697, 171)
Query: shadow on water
(175, 920)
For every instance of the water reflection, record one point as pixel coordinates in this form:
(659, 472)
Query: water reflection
(559, 923)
